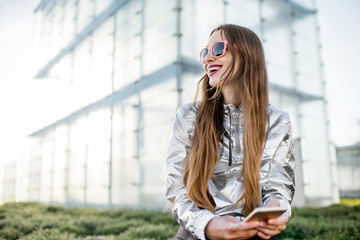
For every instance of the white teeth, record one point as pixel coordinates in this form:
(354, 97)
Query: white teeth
(213, 69)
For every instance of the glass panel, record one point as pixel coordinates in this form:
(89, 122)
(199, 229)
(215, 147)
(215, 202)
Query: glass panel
(244, 6)
(38, 40)
(34, 170)
(309, 84)
(279, 74)
(127, 63)
(162, 29)
(157, 104)
(85, 14)
(47, 160)
(307, 55)
(314, 150)
(77, 159)
(197, 24)
(274, 97)
(98, 157)
(56, 30)
(128, 20)
(45, 42)
(81, 76)
(61, 156)
(245, 13)
(101, 5)
(189, 39)
(290, 104)
(277, 19)
(66, 68)
(155, 58)
(304, 4)
(189, 85)
(102, 60)
(304, 26)
(125, 190)
(159, 45)
(127, 73)
(277, 42)
(207, 20)
(69, 22)
(128, 44)
(125, 171)
(156, 9)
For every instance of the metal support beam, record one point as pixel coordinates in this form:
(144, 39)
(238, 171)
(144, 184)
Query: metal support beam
(178, 36)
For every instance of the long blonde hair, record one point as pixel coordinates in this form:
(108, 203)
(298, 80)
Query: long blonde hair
(252, 81)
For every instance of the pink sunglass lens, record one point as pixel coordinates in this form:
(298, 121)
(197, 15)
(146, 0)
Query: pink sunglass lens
(203, 54)
(218, 49)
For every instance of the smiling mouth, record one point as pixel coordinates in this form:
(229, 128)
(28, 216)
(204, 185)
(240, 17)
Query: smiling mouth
(213, 69)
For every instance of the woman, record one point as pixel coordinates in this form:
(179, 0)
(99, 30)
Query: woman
(232, 151)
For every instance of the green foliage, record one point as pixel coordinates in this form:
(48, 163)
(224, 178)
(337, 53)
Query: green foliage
(31, 220)
(120, 227)
(49, 234)
(333, 222)
(10, 233)
(150, 231)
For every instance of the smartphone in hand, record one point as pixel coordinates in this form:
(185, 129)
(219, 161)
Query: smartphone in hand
(265, 213)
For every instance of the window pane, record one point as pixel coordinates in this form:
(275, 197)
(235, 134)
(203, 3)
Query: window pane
(125, 167)
(85, 14)
(98, 157)
(102, 60)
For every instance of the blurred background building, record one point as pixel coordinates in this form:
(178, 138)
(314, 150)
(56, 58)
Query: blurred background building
(348, 160)
(121, 68)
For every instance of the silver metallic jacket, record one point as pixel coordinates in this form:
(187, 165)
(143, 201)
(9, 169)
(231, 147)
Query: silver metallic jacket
(225, 185)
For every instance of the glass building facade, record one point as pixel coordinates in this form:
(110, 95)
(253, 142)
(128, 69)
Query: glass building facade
(348, 161)
(127, 65)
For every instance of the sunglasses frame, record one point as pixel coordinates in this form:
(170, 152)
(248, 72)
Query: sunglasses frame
(210, 50)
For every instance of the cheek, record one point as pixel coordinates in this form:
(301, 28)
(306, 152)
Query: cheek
(227, 61)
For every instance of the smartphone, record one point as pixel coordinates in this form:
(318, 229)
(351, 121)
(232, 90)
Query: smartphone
(264, 213)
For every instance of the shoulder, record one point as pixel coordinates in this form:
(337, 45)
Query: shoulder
(187, 112)
(279, 120)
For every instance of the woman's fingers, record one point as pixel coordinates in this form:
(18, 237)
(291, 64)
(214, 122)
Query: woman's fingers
(242, 226)
(283, 219)
(230, 228)
(263, 236)
(270, 231)
(272, 227)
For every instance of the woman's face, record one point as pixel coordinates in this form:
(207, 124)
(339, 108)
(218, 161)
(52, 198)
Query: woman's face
(215, 67)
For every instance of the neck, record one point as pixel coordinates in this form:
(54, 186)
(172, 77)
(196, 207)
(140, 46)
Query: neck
(231, 95)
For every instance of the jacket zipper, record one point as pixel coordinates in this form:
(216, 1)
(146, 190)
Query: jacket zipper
(237, 133)
(230, 140)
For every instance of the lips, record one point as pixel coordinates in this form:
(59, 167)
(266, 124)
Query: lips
(212, 69)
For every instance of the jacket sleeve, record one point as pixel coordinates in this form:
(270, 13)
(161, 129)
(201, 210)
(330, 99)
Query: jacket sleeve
(279, 183)
(187, 213)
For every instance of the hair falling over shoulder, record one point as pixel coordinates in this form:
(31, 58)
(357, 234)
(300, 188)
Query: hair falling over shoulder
(252, 80)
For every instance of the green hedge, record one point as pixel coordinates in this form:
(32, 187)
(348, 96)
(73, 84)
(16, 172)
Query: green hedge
(35, 221)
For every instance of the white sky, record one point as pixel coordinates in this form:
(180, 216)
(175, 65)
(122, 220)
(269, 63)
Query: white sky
(340, 36)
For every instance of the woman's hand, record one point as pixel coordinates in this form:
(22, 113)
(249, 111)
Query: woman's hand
(229, 227)
(272, 226)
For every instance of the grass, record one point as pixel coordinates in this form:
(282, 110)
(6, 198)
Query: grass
(35, 221)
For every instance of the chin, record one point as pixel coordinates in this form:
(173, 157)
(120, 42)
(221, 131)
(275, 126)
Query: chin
(213, 82)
